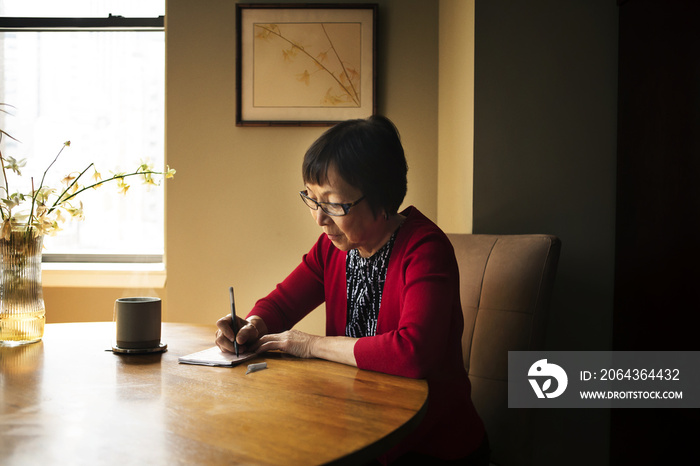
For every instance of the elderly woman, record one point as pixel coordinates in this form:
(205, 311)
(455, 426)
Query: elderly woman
(390, 283)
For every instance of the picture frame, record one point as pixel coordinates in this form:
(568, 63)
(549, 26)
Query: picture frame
(305, 64)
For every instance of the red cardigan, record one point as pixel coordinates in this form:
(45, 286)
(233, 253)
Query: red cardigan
(419, 328)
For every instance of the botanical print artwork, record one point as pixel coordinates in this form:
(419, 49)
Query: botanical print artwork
(307, 64)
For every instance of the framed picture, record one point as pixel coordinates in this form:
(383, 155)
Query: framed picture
(305, 65)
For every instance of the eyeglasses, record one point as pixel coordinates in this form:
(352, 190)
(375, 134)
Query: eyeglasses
(333, 209)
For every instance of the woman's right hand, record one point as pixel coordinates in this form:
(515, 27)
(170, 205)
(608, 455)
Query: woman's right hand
(249, 332)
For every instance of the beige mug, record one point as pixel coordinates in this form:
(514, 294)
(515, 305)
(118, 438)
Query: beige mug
(138, 322)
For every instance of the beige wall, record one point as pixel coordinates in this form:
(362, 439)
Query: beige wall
(232, 213)
(456, 116)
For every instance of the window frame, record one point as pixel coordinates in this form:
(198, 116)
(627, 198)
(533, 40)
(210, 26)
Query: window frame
(87, 24)
(110, 23)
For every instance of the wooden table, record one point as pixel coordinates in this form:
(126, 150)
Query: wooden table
(66, 400)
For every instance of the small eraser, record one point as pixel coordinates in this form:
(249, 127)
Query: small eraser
(256, 367)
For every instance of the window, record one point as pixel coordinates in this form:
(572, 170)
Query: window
(96, 79)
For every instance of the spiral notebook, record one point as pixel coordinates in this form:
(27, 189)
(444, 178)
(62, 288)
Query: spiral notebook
(215, 357)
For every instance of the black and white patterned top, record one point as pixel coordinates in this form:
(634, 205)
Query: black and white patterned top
(365, 283)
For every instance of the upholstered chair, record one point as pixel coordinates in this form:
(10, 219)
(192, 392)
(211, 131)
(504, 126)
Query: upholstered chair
(506, 284)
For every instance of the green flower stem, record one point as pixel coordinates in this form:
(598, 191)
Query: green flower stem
(37, 220)
(7, 187)
(35, 193)
(62, 200)
(4, 174)
(2, 159)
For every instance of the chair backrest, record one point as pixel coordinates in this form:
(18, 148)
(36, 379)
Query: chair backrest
(506, 283)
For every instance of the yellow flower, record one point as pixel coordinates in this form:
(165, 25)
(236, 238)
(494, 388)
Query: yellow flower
(54, 229)
(170, 173)
(122, 185)
(13, 201)
(6, 230)
(14, 164)
(76, 212)
(41, 210)
(43, 194)
(148, 179)
(46, 226)
(68, 179)
(59, 216)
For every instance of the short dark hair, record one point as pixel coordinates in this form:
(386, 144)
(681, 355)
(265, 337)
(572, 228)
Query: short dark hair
(367, 153)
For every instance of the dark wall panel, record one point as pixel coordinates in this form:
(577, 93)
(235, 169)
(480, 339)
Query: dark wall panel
(658, 212)
(544, 162)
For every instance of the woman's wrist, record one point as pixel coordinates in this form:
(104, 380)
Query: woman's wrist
(314, 342)
(338, 349)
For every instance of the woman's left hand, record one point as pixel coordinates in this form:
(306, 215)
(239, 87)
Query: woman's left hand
(292, 341)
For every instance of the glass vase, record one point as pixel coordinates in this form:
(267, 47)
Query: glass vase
(22, 313)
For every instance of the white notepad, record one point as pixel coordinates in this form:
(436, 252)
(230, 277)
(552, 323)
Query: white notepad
(215, 357)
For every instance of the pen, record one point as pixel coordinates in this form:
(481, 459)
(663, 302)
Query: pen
(234, 321)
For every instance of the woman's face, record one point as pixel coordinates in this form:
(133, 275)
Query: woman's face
(359, 229)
